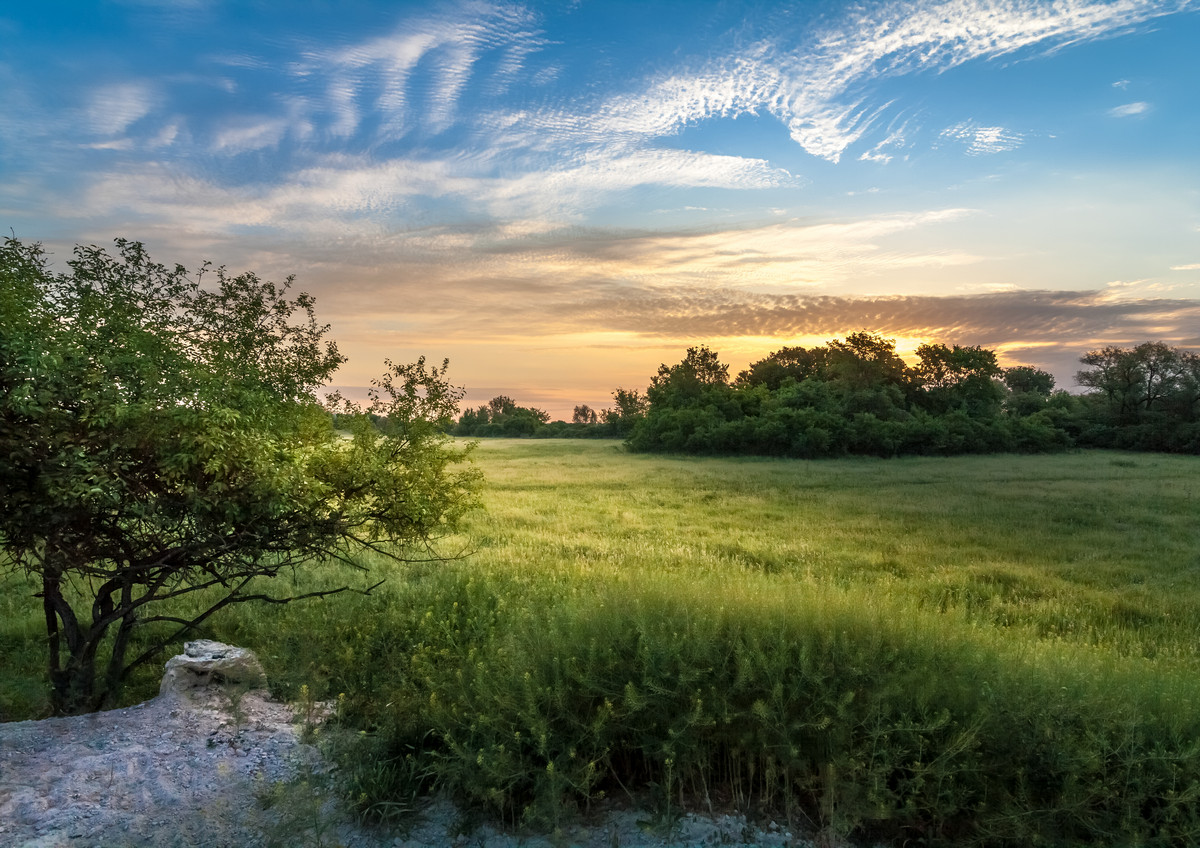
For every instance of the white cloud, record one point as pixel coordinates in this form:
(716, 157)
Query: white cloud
(165, 137)
(353, 195)
(114, 144)
(896, 139)
(576, 186)
(1129, 110)
(1195, 267)
(113, 108)
(821, 88)
(241, 136)
(422, 70)
(983, 140)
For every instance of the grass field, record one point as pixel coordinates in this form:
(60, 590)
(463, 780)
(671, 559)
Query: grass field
(994, 650)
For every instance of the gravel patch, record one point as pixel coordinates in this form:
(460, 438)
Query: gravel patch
(215, 769)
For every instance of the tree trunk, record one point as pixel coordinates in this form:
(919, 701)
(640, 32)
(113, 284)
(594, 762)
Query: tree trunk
(73, 683)
(114, 676)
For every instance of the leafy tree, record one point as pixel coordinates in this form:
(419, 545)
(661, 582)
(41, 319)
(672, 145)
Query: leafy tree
(700, 367)
(1136, 380)
(630, 403)
(687, 406)
(1025, 379)
(501, 417)
(631, 406)
(160, 438)
(472, 420)
(1183, 401)
(962, 378)
(1029, 389)
(853, 396)
(795, 362)
(1114, 373)
(584, 414)
(522, 421)
(1146, 397)
(500, 406)
(867, 360)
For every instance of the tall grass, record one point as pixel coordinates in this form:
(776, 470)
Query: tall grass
(978, 650)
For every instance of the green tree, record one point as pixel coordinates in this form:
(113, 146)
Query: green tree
(501, 416)
(795, 362)
(866, 360)
(688, 405)
(471, 421)
(584, 414)
(631, 406)
(500, 406)
(1025, 379)
(1114, 373)
(1146, 397)
(160, 437)
(962, 378)
(700, 365)
(1029, 389)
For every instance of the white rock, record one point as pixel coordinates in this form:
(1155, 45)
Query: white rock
(206, 663)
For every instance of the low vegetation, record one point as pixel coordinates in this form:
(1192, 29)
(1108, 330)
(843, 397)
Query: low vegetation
(983, 650)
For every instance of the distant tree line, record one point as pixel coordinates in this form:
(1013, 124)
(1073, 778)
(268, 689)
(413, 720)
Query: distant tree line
(502, 417)
(857, 396)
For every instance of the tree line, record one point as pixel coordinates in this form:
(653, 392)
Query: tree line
(857, 396)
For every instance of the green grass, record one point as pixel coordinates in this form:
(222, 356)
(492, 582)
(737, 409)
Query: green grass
(979, 650)
(1092, 547)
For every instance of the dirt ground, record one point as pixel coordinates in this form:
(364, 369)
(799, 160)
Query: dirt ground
(216, 769)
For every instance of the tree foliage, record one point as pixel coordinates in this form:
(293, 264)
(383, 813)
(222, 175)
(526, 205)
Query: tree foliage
(584, 414)
(795, 363)
(851, 396)
(857, 396)
(1145, 397)
(159, 437)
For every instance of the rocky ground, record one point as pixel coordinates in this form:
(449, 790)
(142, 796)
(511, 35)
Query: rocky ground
(211, 767)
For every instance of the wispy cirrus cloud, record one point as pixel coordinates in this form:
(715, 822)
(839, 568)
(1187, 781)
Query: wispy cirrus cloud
(240, 135)
(1129, 110)
(342, 195)
(112, 108)
(980, 140)
(779, 257)
(440, 74)
(575, 185)
(414, 79)
(825, 87)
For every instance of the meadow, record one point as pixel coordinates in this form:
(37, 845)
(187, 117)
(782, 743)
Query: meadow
(979, 650)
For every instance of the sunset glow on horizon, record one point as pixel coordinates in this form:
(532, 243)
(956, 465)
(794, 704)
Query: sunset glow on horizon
(560, 196)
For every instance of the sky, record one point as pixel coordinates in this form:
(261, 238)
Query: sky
(560, 196)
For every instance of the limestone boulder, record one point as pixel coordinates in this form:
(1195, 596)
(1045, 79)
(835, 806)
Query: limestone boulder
(205, 664)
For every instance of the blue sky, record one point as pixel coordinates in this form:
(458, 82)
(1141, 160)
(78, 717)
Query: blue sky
(560, 196)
